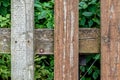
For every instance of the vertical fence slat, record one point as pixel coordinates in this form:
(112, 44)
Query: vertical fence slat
(110, 40)
(66, 40)
(22, 65)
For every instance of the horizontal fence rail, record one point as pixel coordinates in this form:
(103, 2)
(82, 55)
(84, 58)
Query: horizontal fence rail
(89, 41)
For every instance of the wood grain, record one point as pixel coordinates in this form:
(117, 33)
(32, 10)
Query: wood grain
(22, 52)
(110, 40)
(66, 40)
(89, 41)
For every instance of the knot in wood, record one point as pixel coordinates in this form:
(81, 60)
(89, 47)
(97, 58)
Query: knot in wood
(106, 39)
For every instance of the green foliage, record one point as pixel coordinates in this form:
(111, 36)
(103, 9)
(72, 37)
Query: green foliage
(5, 21)
(4, 7)
(44, 14)
(4, 13)
(44, 67)
(93, 72)
(5, 67)
(89, 12)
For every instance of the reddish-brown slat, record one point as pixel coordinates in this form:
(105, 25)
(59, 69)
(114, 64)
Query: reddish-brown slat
(66, 40)
(110, 39)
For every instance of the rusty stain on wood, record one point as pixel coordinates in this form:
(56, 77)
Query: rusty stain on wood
(66, 40)
(89, 40)
(110, 39)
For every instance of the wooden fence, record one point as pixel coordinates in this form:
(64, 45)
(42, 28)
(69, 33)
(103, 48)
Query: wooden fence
(68, 41)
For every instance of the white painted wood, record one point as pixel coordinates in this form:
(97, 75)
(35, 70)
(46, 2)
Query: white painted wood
(22, 52)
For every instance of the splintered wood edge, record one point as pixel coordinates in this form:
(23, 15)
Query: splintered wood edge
(89, 41)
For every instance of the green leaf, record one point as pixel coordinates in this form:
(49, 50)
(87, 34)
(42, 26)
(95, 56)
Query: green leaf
(49, 25)
(95, 75)
(3, 11)
(8, 16)
(93, 9)
(88, 58)
(82, 68)
(87, 14)
(96, 20)
(90, 23)
(83, 78)
(47, 5)
(92, 2)
(83, 5)
(38, 5)
(3, 24)
(42, 15)
(82, 21)
(6, 3)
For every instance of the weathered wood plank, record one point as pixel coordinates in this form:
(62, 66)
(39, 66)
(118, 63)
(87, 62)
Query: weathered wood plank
(22, 52)
(110, 40)
(89, 40)
(66, 40)
(5, 40)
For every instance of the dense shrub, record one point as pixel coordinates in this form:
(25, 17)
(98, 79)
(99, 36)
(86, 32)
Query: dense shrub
(4, 13)
(89, 12)
(5, 67)
(4, 7)
(44, 14)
